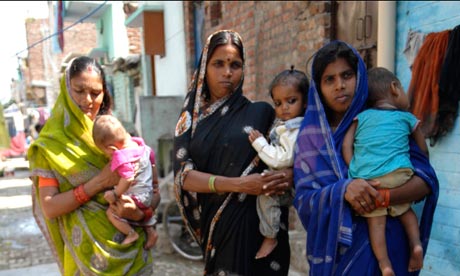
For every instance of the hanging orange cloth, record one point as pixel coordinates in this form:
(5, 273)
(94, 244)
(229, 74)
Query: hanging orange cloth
(423, 90)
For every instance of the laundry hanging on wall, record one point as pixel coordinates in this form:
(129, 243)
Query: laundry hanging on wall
(423, 89)
(414, 41)
(449, 85)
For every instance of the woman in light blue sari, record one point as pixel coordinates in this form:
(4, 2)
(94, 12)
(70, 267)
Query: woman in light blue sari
(326, 200)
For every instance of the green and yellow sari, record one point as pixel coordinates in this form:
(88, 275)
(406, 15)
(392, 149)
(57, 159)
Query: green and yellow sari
(84, 242)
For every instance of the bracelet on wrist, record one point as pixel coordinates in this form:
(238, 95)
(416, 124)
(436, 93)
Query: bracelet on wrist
(80, 195)
(211, 184)
(385, 193)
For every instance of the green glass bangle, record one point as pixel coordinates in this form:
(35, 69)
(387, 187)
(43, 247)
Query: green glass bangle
(211, 181)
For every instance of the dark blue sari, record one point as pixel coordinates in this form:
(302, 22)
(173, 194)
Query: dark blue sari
(337, 240)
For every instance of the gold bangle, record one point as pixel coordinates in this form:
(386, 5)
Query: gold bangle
(211, 185)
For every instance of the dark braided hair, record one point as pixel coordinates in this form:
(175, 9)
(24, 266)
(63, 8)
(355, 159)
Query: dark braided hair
(293, 77)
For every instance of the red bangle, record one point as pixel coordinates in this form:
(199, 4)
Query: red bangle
(385, 193)
(148, 213)
(80, 194)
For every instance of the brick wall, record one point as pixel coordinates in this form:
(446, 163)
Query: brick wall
(81, 38)
(276, 35)
(134, 37)
(134, 34)
(43, 64)
(189, 37)
(35, 58)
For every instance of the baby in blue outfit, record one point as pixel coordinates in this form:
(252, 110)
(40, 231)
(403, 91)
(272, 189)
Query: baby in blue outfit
(376, 147)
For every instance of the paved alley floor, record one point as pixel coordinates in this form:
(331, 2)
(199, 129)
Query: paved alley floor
(24, 251)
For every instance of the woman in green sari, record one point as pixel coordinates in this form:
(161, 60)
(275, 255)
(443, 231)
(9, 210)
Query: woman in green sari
(69, 176)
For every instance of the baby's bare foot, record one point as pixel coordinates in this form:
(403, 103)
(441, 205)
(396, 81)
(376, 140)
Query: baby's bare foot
(152, 237)
(131, 237)
(266, 248)
(416, 258)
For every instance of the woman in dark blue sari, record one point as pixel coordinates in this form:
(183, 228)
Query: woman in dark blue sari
(326, 200)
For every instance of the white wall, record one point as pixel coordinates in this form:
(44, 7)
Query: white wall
(170, 70)
(120, 35)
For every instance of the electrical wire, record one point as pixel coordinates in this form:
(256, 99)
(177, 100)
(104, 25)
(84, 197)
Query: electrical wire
(63, 30)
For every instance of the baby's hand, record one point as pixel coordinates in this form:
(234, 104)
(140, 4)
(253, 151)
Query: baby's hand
(110, 196)
(253, 135)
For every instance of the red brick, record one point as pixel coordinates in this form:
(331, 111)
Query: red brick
(79, 39)
(276, 34)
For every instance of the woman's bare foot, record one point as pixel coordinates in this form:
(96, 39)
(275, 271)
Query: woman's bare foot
(152, 237)
(416, 258)
(266, 248)
(131, 237)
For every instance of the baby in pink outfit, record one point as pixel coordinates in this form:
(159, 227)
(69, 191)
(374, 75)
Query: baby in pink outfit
(132, 159)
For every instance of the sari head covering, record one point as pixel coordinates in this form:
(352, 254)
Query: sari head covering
(213, 138)
(337, 240)
(82, 241)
